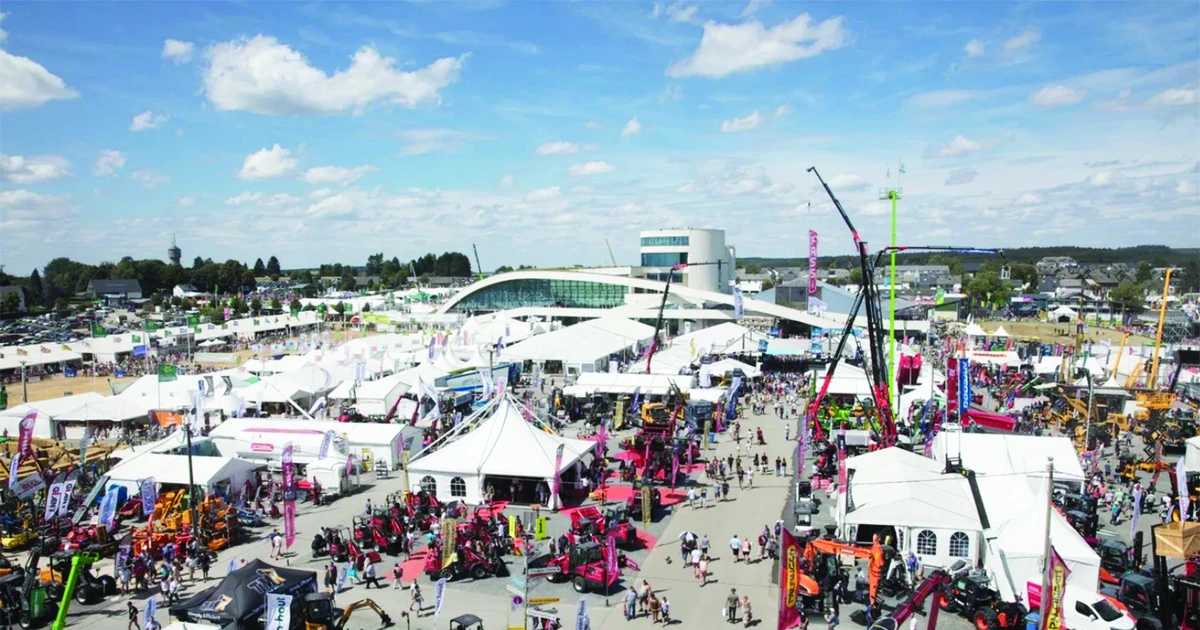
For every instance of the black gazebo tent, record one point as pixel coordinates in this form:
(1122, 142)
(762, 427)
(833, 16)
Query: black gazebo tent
(241, 597)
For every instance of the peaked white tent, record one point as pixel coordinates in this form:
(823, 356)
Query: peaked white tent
(718, 338)
(108, 409)
(1000, 332)
(504, 446)
(975, 330)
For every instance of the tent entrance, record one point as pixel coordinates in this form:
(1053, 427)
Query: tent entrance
(520, 490)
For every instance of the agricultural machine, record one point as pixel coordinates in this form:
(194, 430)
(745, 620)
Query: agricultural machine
(590, 524)
(584, 565)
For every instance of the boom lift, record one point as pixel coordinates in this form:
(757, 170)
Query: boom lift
(662, 307)
(868, 295)
(932, 585)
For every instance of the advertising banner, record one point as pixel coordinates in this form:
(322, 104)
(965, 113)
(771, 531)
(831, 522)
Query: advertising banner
(964, 385)
(558, 457)
(149, 492)
(279, 612)
(812, 262)
(1052, 612)
(789, 580)
(26, 432)
(52, 499)
(68, 487)
(439, 595)
(289, 496)
(951, 387)
(26, 487)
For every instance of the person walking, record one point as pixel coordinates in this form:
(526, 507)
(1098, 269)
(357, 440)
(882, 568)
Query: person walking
(630, 605)
(133, 616)
(666, 611)
(691, 496)
(331, 577)
(417, 600)
(702, 571)
(369, 576)
(704, 546)
(747, 616)
(397, 573)
(655, 609)
(746, 550)
(735, 545)
(731, 606)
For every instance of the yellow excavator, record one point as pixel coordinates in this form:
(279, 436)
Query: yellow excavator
(321, 614)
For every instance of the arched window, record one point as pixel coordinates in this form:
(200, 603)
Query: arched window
(458, 487)
(927, 543)
(960, 545)
(429, 484)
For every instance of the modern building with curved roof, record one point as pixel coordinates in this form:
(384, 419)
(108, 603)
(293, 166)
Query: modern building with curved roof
(586, 294)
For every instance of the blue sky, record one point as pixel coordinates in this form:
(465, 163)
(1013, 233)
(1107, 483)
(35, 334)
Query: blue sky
(325, 132)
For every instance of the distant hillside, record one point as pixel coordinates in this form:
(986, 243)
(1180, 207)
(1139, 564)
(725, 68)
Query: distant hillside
(1157, 255)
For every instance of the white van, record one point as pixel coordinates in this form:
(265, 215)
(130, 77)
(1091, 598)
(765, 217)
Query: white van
(1083, 610)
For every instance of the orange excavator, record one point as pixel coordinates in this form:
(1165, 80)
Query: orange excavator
(873, 554)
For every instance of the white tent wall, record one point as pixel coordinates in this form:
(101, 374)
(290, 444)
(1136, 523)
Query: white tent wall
(1012, 455)
(11, 357)
(208, 472)
(46, 424)
(647, 384)
(381, 441)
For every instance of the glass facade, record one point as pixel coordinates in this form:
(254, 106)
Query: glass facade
(662, 277)
(665, 241)
(665, 259)
(538, 292)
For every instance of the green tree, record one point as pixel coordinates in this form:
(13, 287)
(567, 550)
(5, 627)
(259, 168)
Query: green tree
(1026, 274)
(339, 308)
(239, 306)
(1143, 272)
(61, 304)
(374, 264)
(36, 293)
(856, 276)
(987, 288)
(295, 305)
(1129, 296)
(753, 268)
(259, 268)
(197, 262)
(308, 307)
(276, 304)
(1189, 276)
(256, 306)
(346, 283)
(11, 303)
(156, 299)
(503, 269)
(366, 308)
(273, 269)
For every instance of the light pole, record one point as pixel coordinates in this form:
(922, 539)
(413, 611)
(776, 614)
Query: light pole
(894, 195)
(24, 385)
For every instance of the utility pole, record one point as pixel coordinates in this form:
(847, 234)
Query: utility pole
(24, 385)
(1045, 595)
(894, 195)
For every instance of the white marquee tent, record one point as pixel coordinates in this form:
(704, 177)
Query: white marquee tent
(584, 347)
(1011, 455)
(504, 445)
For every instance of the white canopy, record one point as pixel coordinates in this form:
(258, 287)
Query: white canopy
(502, 445)
(647, 384)
(1015, 555)
(725, 366)
(715, 339)
(1000, 332)
(1011, 455)
(46, 422)
(173, 469)
(583, 345)
(893, 486)
(975, 330)
(112, 409)
(12, 357)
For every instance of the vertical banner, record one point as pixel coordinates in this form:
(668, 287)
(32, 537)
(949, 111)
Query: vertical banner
(674, 468)
(83, 445)
(739, 304)
(326, 441)
(149, 492)
(1181, 484)
(789, 579)
(13, 466)
(1137, 509)
(52, 499)
(708, 434)
(647, 507)
(951, 387)
(964, 386)
(289, 496)
(108, 510)
(812, 262)
(582, 622)
(151, 610)
(68, 487)
(1052, 612)
(611, 570)
(279, 612)
(449, 541)
(26, 435)
(841, 451)
(439, 595)
(558, 457)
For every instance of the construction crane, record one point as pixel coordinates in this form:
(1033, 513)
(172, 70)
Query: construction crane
(477, 265)
(661, 307)
(610, 254)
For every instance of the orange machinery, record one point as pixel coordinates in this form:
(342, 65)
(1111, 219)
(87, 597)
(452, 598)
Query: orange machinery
(873, 554)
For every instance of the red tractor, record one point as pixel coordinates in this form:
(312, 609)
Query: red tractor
(361, 527)
(583, 565)
(589, 524)
(466, 562)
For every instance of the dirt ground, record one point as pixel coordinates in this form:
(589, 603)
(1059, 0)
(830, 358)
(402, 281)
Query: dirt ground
(59, 385)
(1063, 333)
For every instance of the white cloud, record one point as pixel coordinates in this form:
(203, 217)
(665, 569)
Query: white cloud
(149, 178)
(974, 48)
(962, 145)
(1123, 101)
(940, 98)
(1102, 179)
(268, 163)
(506, 181)
(591, 125)
(782, 110)
(1175, 97)
(734, 125)
(670, 93)
(178, 51)
(26, 210)
(147, 120)
(244, 198)
(848, 182)
(558, 148)
(544, 194)
(27, 84)
(753, 6)
(1056, 96)
(590, 168)
(186, 202)
(3, 34)
(962, 176)
(109, 162)
(730, 48)
(336, 174)
(422, 141)
(1027, 38)
(1029, 198)
(18, 169)
(1185, 188)
(676, 12)
(320, 193)
(264, 76)
(632, 128)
